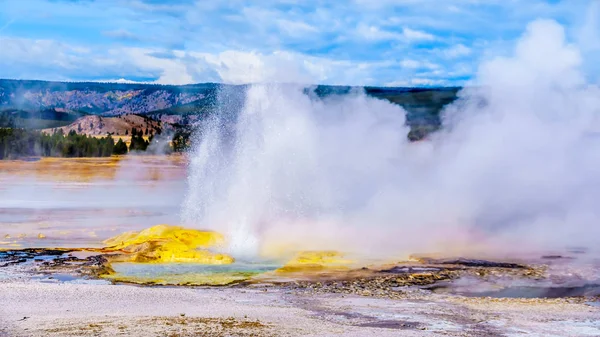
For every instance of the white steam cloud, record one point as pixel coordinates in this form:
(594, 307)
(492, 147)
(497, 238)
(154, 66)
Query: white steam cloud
(516, 166)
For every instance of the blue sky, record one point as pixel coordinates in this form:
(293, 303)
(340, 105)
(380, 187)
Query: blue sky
(357, 42)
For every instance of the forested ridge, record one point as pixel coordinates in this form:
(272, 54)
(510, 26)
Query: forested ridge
(18, 143)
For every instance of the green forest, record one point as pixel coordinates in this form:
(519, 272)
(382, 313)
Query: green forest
(19, 143)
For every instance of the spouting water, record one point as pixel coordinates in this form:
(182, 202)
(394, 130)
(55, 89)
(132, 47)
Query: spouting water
(288, 159)
(515, 167)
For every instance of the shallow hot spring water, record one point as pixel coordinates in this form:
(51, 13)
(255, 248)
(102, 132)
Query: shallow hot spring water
(175, 255)
(172, 255)
(188, 273)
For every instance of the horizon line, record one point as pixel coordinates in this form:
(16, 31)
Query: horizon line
(228, 84)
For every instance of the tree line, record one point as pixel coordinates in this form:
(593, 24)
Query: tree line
(18, 143)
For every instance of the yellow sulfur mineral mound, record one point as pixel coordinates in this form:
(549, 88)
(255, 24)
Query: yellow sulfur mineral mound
(164, 243)
(315, 261)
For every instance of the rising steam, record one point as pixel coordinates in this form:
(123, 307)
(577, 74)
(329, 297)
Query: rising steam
(516, 166)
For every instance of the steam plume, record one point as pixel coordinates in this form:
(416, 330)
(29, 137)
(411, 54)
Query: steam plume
(515, 167)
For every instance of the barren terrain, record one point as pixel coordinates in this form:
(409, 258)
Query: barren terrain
(118, 126)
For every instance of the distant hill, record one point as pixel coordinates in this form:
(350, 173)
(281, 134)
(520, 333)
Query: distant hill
(93, 125)
(98, 98)
(43, 105)
(38, 119)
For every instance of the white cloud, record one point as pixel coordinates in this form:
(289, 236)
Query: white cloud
(411, 64)
(251, 67)
(121, 80)
(375, 33)
(170, 71)
(361, 32)
(416, 35)
(379, 4)
(40, 52)
(121, 34)
(417, 82)
(44, 59)
(414, 64)
(427, 82)
(456, 51)
(461, 70)
(295, 28)
(398, 83)
(285, 67)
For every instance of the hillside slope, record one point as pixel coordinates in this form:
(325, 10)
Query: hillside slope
(98, 98)
(37, 119)
(119, 126)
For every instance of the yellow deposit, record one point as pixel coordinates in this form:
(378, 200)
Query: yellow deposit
(216, 279)
(316, 260)
(164, 243)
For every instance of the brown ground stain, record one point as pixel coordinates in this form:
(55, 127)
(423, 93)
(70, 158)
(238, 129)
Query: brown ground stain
(147, 168)
(177, 326)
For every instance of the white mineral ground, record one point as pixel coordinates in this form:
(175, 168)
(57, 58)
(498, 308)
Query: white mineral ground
(29, 308)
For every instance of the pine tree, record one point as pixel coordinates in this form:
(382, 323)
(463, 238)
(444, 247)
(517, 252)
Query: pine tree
(120, 147)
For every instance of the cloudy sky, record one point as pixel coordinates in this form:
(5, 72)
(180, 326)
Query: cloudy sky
(358, 42)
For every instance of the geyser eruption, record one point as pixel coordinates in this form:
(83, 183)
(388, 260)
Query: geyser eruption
(288, 161)
(515, 167)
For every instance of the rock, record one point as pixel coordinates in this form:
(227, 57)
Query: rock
(475, 263)
(555, 257)
(410, 269)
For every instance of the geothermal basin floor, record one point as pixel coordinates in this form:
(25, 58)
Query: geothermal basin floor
(30, 307)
